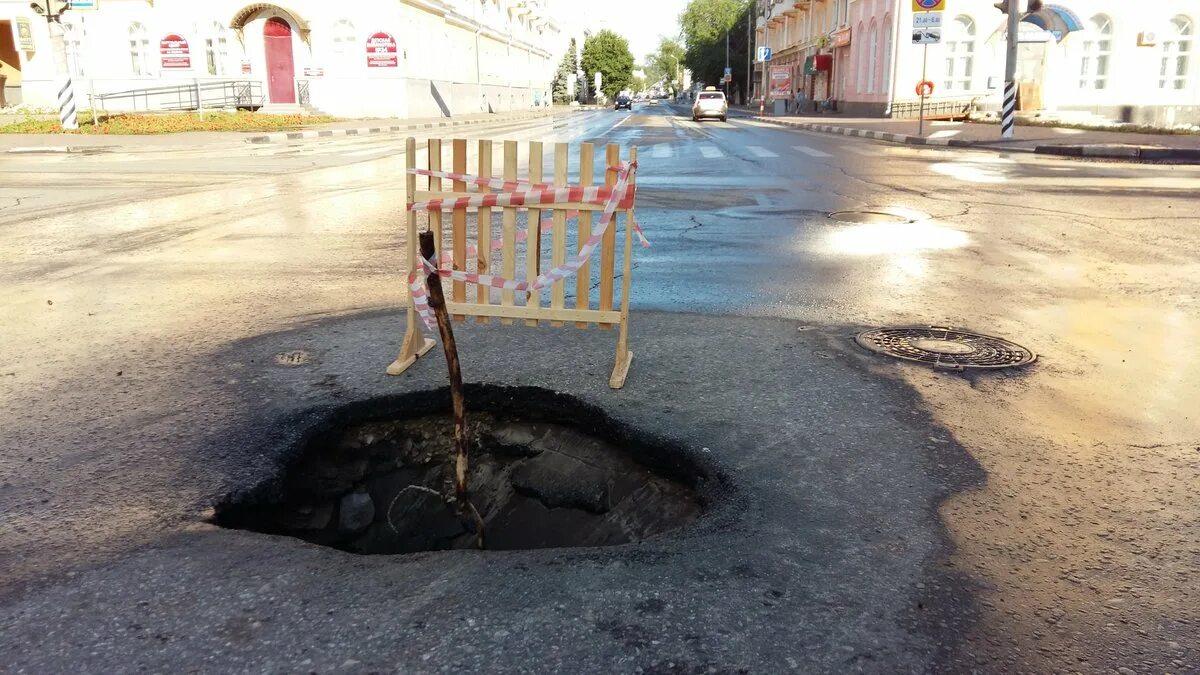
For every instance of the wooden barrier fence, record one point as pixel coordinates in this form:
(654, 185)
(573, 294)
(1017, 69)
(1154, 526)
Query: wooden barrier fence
(485, 303)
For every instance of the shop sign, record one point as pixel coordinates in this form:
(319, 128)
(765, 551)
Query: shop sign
(24, 34)
(312, 71)
(841, 38)
(175, 52)
(382, 52)
(781, 82)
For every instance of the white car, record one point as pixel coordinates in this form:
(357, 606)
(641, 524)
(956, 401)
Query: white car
(710, 104)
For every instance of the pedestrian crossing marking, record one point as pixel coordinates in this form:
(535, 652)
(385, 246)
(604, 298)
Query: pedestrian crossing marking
(811, 152)
(860, 149)
(661, 151)
(761, 152)
(711, 152)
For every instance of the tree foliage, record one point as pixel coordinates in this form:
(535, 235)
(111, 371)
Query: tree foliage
(705, 24)
(665, 64)
(608, 54)
(562, 77)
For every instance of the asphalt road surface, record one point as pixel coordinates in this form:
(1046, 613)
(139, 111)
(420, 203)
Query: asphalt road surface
(877, 516)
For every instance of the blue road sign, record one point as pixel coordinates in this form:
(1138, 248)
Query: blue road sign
(764, 53)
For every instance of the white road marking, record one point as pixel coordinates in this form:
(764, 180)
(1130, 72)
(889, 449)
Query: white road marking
(761, 152)
(711, 152)
(865, 149)
(945, 133)
(811, 152)
(661, 151)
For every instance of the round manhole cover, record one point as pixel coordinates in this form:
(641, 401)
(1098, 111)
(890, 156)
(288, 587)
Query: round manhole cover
(945, 347)
(296, 357)
(870, 218)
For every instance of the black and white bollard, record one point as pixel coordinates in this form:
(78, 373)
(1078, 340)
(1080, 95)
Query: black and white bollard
(1008, 115)
(66, 105)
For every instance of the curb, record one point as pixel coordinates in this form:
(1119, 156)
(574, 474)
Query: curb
(284, 136)
(1127, 152)
(45, 149)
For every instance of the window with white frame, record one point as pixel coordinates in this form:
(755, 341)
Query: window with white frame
(960, 54)
(873, 59)
(73, 39)
(139, 49)
(1176, 55)
(1096, 52)
(345, 42)
(216, 49)
(887, 54)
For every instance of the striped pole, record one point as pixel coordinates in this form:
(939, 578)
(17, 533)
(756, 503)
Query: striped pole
(66, 106)
(1008, 117)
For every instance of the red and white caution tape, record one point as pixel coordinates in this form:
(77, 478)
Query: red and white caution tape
(612, 197)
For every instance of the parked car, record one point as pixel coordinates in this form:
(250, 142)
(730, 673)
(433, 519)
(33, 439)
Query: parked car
(710, 103)
(625, 102)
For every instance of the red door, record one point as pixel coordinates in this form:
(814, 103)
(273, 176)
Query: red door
(281, 71)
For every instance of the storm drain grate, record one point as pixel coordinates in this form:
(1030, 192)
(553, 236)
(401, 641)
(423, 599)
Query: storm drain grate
(945, 347)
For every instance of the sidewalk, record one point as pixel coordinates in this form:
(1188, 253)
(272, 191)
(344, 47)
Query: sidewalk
(41, 143)
(1063, 141)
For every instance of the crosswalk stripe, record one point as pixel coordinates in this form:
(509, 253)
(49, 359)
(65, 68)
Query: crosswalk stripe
(711, 152)
(811, 152)
(761, 152)
(661, 151)
(860, 149)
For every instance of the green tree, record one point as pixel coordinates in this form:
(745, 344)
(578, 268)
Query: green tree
(665, 64)
(562, 95)
(608, 54)
(705, 25)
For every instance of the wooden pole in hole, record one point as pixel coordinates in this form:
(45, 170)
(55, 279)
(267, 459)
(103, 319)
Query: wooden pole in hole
(437, 300)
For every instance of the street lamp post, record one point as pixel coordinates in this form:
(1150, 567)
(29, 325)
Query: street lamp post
(66, 93)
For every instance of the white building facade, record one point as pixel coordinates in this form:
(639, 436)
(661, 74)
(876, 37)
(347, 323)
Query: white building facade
(1136, 62)
(370, 58)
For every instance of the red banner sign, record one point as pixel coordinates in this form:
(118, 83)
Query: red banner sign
(382, 52)
(781, 82)
(175, 52)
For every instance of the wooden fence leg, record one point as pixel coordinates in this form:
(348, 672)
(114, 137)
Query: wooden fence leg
(414, 346)
(624, 356)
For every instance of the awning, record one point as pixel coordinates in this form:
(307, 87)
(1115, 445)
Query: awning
(1056, 19)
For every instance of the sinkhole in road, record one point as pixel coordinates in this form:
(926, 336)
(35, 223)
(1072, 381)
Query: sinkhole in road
(547, 471)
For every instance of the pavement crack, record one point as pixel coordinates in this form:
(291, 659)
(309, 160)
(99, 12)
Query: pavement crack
(697, 225)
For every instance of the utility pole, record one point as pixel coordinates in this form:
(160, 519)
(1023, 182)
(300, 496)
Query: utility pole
(727, 68)
(66, 92)
(749, 56)
(1009, 118)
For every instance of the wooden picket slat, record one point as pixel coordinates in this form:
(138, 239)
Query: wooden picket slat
(608, 247)
(583, 280)
(458, 221)
(483, 229)
(533, 244)
(558, 239)
(509, 225)
(435, 184)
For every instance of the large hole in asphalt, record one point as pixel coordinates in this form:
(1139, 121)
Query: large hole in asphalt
(546, 471)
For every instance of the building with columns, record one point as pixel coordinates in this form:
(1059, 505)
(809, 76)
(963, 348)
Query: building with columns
(388, 58)
(1135, 62)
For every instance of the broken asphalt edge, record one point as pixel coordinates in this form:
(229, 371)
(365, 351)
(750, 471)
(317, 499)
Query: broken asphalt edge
(1099, 151)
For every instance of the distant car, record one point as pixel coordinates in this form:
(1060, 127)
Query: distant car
(710, 104)
(625, 102)
(653, 101)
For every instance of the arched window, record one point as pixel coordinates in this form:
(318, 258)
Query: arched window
(74, 36)
(216, 49)
(960, 54)
(861, 61)
(1096, 52)
(873, 58)
(1176, 55)
(139, 50)
(887, 54)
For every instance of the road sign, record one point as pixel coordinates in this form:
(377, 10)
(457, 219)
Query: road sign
(927, 20)
(727, 78)
(927, 36)
(82, 4)
(764, 54)
(728, 71)
(929, 5)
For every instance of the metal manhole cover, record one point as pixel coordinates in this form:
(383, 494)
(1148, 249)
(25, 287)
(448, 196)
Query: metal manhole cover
(945, 347)
(870, 218)
(296, 357)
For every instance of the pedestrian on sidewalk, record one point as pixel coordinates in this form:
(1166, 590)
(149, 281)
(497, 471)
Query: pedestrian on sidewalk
(800, 98)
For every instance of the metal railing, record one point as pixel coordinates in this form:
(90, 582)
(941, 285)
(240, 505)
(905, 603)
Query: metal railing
(949, 108)
(197, 95)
